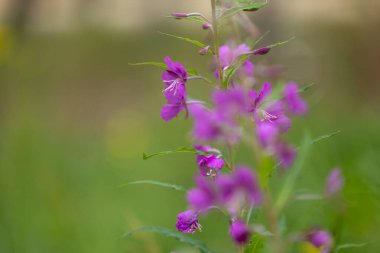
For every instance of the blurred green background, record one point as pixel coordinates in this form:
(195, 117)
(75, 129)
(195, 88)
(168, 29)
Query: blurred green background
(75, 119)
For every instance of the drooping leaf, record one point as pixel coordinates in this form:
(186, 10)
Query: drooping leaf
(173, 234)
(245, 7)
(158, 183)
(255, 244)
(194, 42)
(349, 245)
(169, 152)
(156, 64)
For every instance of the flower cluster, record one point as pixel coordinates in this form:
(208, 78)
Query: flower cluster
(244, 108)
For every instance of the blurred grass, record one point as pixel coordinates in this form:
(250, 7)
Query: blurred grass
(76, 118)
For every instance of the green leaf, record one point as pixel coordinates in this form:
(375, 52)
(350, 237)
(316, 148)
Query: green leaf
(231, 70)
(349, 245)
(170, 233)
(194, 42)
(157, 64)
(305, 88)
(294, 172)
(325, 136)
(246, 7)
(195, 19)
(255, 244)
(158, 183)
(169, 152)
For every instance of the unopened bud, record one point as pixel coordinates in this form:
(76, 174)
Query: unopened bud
(204, 50)
(206, 26)
(261, 51)
(179, 15)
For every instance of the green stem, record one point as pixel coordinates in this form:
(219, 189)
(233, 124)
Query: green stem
(216, 41)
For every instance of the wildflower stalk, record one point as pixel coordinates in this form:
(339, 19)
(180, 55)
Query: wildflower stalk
(216, 41)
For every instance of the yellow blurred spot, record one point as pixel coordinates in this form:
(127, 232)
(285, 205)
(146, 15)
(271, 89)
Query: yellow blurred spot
(308, 248)
(127, 135)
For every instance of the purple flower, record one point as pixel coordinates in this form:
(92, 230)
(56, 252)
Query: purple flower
(210, 164)
(203, 196)
(238, 189)
(211, 125)
(229, 55)
(240, 232)
(175, 78)
(275, 114)
(188, 222)
(334, 182)
(206, 123)
(285, 154)
(230, 103)
(169, 111)
(267, 133)
(320, 239)
(294, 102)
(257, 99)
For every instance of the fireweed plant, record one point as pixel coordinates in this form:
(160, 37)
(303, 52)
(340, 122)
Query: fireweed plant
(241, 110)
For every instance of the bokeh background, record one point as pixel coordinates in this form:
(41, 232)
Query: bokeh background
(75, 119)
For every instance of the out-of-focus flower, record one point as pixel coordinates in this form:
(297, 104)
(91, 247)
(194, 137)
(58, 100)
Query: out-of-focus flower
(239, 189)
(240, 232)
(294, 102)
(206, 123)
(230, 191)
(334, 182)
(230, 103)
(219, 123)
(209, 164)
(267, 134)
(188, 222)
(229, 55)
(320, 239)
(257, 99)
(285, 153)
(203, 196)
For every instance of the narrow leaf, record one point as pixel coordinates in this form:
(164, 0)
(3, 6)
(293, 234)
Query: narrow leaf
(246, 7)
(324, 137)
(157, 64)
(170, 233)
(162, 184)
(305, 88)
(169, 152)
(194, 42)
(350, 245)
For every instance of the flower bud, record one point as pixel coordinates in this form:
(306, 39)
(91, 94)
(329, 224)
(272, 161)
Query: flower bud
(319, 238)
(261, 51)
(204, 50)
(206, 26)
(240, 232)
(179, 15)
